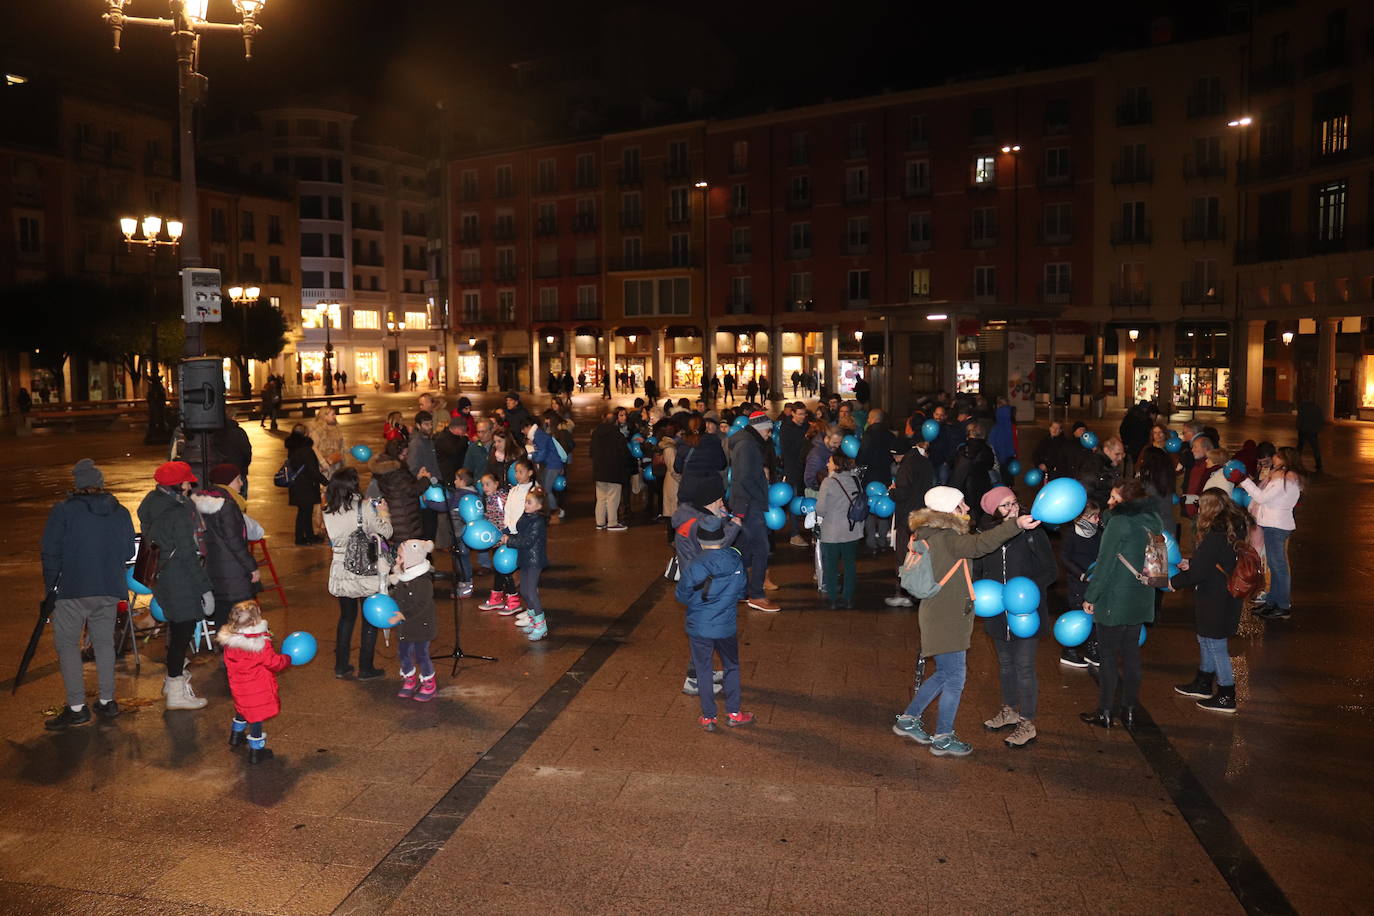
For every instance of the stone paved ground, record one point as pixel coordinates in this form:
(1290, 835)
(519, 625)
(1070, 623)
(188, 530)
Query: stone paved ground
(620, 805)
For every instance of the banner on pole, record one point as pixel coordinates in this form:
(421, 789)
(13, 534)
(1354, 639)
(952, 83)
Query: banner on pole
(200, 294)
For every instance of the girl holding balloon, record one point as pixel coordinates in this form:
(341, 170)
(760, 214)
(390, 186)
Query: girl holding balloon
(494, 497)
(346, 511)
(251, 665)
(412, 588)
(530, 538)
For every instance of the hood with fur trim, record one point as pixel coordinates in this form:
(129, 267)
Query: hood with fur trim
(254, 640)
(207, 503)
(929, 518)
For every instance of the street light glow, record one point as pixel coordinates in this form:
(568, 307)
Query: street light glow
(1133, 333)
(936, 316)
(128, 225)
(152, 225)
(703, 184)
(1245, 121)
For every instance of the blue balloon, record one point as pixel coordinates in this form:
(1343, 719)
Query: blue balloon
(1231, 466)
(987, 598)
(1089, 440)
(795, 505)
(774, 518)
(1241, 497)
(1013, 467)
(378, 611)
(1173, 497)
(930, 430)
(1174, 553)
(648, 473)
(780, 494)
(651, 440)
(435, 494)
(510, 474)
(1073, 628)
(872, 500)
(808, 505)
(1024, 625)
(301, 646)
(1143, 631)
(481, 535)
(505, 559)
(470, 507)
(883, 506)
(636, 448)
(1034, 477)
(850, 446)
(875, 489)
(1020, 595)
(135, 586)
(1059, 501)
(361, 452)
(156, 610)
(560, 483)
(1091, 567)
(1173, 444)
(741, 421)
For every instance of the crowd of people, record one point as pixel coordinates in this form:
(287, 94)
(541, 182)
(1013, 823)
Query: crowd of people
(706, 471)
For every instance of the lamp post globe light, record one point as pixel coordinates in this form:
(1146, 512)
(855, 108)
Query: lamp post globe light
(151, 241)
(326, 310)
(394, 328)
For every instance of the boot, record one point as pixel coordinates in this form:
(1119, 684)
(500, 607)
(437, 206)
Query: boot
(1102, 718)
(512, 605)
(259, 754)
(495, 601)
(1224, 701)
(408, 684)
(343, 641)
(428, 688)
(367, 647)
(180, 695)
(1199, 686)
(237, 736)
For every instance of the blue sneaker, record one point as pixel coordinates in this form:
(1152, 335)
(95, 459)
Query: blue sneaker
(910, 727)
(949, 746)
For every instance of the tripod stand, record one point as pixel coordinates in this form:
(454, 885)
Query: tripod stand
(457, 654)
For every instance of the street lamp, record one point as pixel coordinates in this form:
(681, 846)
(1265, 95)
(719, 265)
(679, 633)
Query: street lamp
(152, 229)
(325, 309)
(1134, 334)
(186, 24)
(1287, 338)
(1014, 151)
(394, 328)
(242, 295)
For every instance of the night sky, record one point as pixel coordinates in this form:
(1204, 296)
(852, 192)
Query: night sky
(403, 54)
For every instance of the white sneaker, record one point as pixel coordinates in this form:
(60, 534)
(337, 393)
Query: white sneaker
(616, 527)
(522, 619)
(897, 601)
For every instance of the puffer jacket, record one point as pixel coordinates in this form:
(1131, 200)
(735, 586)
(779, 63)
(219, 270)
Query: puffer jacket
(415, 597)
(832, 508)
(696, 464)
(946, 618)
(87, 542)
(875, 455)
(227, 559)
(339, 526)
(170, 520)
(393, 482)
(251, 665)
(531, 540)
(816, 460)
(1027, 554)
(749, 478)
(711, 611)
(1118, 598)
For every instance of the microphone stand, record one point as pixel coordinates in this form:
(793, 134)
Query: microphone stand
(457, 654)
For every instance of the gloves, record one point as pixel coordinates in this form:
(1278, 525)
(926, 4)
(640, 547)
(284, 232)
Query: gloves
(207, 604)
(1235, 475)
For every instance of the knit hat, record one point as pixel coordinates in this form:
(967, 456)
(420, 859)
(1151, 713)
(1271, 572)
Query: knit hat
(86, 476)
(760, 420)
(711, 416)
(174, 473)
(943, 499)
(993, 498)
(224, 474)
(707, 490)
(414, 552)
(710, 529)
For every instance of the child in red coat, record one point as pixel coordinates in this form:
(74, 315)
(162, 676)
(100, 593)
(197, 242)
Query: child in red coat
(252, 665)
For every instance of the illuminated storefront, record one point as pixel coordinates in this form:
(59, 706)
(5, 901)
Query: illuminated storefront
(470, 368)
(367, 368)
(418, 363)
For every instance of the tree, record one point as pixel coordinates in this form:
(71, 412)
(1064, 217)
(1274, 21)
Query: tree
(255, 331)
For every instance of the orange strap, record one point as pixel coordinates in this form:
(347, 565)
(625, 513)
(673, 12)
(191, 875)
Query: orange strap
(968, 579)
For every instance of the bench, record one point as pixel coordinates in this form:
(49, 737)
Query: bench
(84, 413)
(305, 406)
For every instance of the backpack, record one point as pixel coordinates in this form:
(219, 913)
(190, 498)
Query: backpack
(285, 477)
(360, 550)
(1247, 579)
(1154, 571)
(918, 578)
(858, 506)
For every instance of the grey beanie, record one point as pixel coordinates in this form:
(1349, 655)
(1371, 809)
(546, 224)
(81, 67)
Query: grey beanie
(86, 476)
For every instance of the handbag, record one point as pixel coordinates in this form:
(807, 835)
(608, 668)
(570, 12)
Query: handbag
(285, 477)
(147, 561)
(1247, 579)
(360, 550)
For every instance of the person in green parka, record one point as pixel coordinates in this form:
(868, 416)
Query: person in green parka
(1119, 602)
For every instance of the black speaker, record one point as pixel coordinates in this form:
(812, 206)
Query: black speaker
(202, 394)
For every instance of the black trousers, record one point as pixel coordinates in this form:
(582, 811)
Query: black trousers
(1118, 645)
(305, 528)
(343, 636)
(179, 633)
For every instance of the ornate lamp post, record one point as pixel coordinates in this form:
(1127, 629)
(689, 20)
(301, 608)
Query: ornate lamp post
(394, 328)
(151, 241)
(326, 310)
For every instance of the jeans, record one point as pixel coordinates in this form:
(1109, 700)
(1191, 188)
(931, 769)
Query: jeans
(414, 656)
(529, 589)
(97, 614)
(1305, 439)
(546, 481)
(343, 636)
(1115, 643)
(179, 636)
(728, 650)
(1276, 558)
(462, 558)
(832, 555)
(1016, 671)
(753, 547)
(1216, 660)
(607, 503)
(945, 682)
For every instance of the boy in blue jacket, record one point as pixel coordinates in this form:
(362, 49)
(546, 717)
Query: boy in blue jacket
(711, 586)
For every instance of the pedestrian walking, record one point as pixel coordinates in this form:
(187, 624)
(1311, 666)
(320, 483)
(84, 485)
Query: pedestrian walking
(1310, 421)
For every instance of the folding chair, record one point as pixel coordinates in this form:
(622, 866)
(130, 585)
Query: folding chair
(266, 560)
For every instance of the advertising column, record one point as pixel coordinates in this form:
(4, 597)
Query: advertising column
(1021, 375)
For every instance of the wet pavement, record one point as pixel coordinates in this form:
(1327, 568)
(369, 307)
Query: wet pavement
(570, 776)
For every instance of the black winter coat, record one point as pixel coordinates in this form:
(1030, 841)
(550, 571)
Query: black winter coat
(749, 476)
(449, 450)
(1027, 554)
(973, 464)
(231, 446)
(1098, 476)
(611, 458)
(794, 445)
(416, 601)
(699, 464)
(1078, 553)
(302, 461)
(1216, 614)
(875, 455)
(170, 520)
(1059, 454)
(531, 540)
(393, 482)
(227, 559)
(915, 475)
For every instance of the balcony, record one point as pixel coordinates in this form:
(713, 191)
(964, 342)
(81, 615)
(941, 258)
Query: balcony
(738, 254)
(981, 237)
(1204, 230)
(546, 186)
(1193, 292)
(1133, 171)
(414, 263)
(311, 295)
(916, 244)
(855, 243)
(585, 180)
(739, 305)
(854, 197)
(631, 219)
(1334, 240)
(371, 223)
(798, 202)
(739, 167)
(739, 211)
(281, 276)
(505, 189)
(798, 254)
(1206, 104)
(546, 227)
(584, 222)
(1054, 234)
(1330, 57)
(1275, 164)
(248, 273)
(414, 228)
(629, 177)
(1135, 232)
(982, 183)
(587, 311)
(1276, 75)
(585, 267)
(1135, 295)
(367, 259)
(546, 312)
(676, 171)
(857, 151)
(469, 275)
(470, 237)
(1057, 179)
(851, 303)
(677, 216)
(469, 194)
(503, 231)
(1135, 114)
(920, 189)
(546, 269)
(1195, 169)
(503, 273)
(655, 261)
(159, 166)
(1053, 294)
